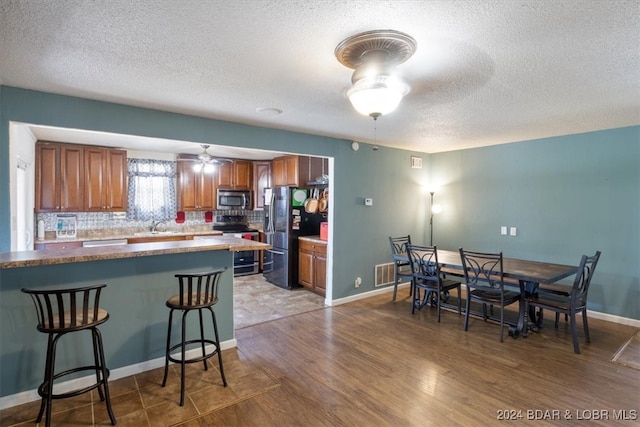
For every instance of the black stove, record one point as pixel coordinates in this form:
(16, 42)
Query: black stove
(232, 224)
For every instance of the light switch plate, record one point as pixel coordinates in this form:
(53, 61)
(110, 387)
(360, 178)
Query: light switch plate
(503, 230)
(512, 231)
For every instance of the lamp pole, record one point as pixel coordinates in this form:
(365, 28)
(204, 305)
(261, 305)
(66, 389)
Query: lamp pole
(431, 220)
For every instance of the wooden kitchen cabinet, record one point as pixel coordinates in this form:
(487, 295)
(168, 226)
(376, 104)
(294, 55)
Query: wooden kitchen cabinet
(106, 180)
(197, 190)
(59, 177)
(296, 171)
(236, 175)
(261, 180)
(312, 266)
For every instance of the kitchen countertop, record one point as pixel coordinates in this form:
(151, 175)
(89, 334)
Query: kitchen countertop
(65, 256)
(50, 237)
(314, 239)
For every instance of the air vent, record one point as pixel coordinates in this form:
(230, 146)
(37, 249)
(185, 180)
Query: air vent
(384, 274)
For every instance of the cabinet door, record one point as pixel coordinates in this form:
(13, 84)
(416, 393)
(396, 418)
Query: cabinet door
(206, 191)
(72, 178)
(279, 172)
(116, 199)
(47, 177)
(292, 171)
(94, 160)
(186, 186)
(225, 175)
(261, 180)
(197, 189)
(320, 273)
(242, 174)
(305, 265)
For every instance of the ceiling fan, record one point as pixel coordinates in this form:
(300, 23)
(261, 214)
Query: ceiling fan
(204, 161)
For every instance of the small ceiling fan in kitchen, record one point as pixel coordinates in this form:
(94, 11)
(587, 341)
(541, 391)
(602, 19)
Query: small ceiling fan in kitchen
(204, 161)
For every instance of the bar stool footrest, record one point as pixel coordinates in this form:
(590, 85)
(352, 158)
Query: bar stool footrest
(193, 359)
(77, 392)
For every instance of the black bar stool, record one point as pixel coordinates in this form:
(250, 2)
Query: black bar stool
(198, 291)
(60, 312)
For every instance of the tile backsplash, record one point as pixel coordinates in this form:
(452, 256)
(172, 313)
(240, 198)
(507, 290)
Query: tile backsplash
(90, 221)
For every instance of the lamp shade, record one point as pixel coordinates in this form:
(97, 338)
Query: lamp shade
(376, 96)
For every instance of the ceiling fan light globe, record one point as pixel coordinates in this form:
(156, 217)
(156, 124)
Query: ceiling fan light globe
(377, 97)
(197, 167)
(209, 168)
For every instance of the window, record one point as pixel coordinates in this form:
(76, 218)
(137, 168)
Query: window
(152, 190)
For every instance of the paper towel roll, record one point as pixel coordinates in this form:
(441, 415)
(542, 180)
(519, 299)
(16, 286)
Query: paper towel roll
(41, 230)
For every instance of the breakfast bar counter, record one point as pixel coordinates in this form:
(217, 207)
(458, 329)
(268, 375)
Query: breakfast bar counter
(139, 278)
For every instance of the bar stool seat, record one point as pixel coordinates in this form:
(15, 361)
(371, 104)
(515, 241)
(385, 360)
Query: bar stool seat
(198, 291)
(63, 311)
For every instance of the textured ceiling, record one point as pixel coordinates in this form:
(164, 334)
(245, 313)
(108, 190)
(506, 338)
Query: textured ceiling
(485, 72)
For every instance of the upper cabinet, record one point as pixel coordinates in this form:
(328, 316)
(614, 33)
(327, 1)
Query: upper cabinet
(106, 180)
(261, 180)
(296, 171)
(59, 177)
(236, 175)
(196, 189)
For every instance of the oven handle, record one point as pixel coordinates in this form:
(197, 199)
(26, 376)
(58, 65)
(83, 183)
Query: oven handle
(275, 252)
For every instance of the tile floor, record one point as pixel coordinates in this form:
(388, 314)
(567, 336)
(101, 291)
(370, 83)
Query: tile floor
(139, 400)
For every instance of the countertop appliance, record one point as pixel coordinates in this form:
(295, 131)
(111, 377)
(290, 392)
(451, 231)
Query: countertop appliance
(244, 262)
(233, 199)
(285, 220)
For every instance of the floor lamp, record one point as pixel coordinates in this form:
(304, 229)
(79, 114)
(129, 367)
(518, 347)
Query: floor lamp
(434, 209)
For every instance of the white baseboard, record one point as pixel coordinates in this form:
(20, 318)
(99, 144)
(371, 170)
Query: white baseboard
(125, 371)
(592, 314)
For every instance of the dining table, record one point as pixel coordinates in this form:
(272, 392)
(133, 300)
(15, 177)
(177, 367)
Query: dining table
(527, 275)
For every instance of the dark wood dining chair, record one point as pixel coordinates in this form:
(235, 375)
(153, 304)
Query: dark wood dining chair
(428, 279)
(399, 256)
(570, 300)
(484, 278)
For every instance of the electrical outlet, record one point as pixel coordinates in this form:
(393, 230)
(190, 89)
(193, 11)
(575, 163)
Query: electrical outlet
(358, 282)
(512, 231)
(503, 230)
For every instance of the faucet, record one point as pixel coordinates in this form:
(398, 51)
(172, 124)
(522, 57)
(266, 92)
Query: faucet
(154, 225)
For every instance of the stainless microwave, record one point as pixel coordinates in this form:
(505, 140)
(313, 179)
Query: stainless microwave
(233, 199)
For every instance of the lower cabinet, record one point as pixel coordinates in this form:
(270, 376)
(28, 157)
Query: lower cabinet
(312, 266)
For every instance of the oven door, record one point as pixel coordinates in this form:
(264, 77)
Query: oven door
(245, 262)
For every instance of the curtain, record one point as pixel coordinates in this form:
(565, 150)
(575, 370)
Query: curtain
(152, 190)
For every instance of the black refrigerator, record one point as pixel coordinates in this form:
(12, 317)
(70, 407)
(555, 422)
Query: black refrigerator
(285, 220)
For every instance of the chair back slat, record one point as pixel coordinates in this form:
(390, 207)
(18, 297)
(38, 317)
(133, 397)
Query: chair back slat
(483, 270)
(399, 244)
(65, 310)
(424, 262)
(199, 289)
(583, 278)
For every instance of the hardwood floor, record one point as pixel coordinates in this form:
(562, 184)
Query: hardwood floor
(371, 362)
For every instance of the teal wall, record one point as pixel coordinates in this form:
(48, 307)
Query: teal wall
(567, 195)
(135, 296)
(360, 233)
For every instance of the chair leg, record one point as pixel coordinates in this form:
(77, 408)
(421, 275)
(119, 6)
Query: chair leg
(466, 311)
(105, 374)
(501, 323)
(46, 389)
(215, 331)
(586, 325)
(183, 362)
(574, 331)
(202, 340)
(557, 319)
(97, 362)
(395, 289)
(166, 356)
(438, 304)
